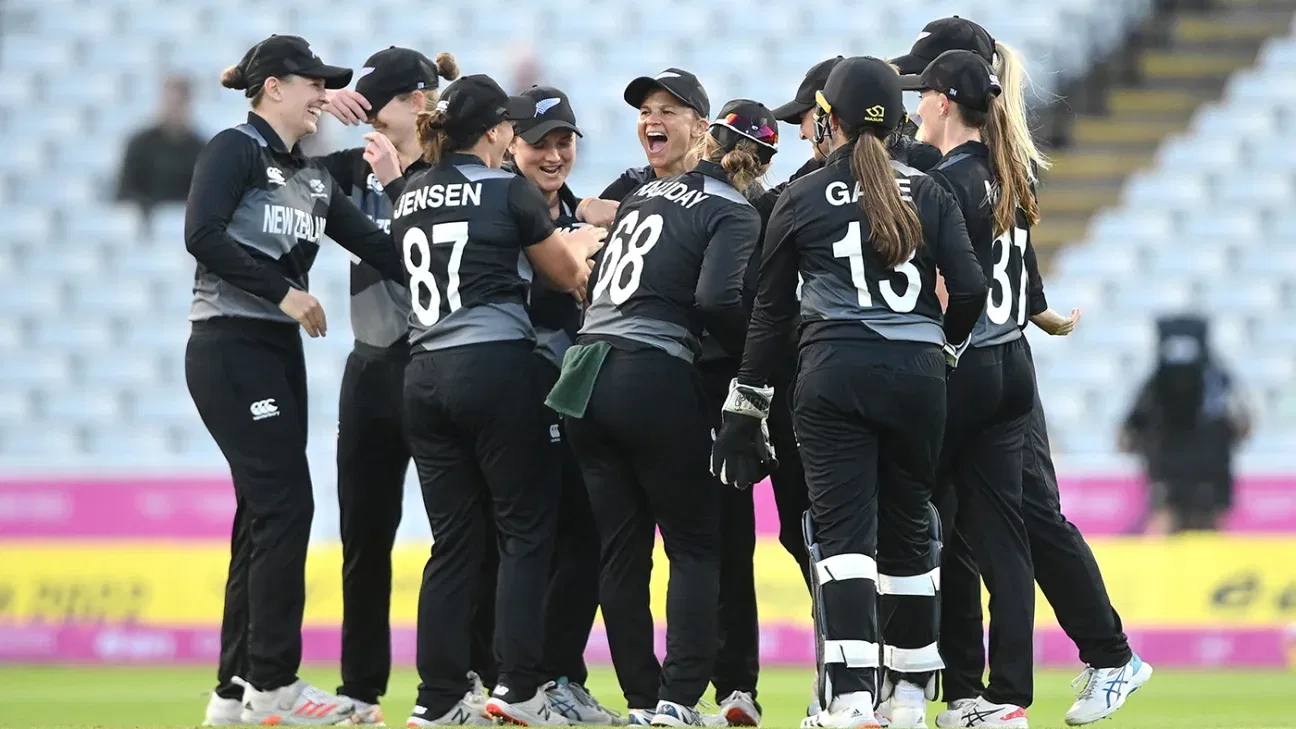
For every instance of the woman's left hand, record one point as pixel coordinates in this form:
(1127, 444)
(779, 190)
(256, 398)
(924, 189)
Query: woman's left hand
(381, 155)
(348, 106)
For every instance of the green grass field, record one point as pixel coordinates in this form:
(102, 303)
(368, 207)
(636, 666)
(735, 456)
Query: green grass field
(61, 696)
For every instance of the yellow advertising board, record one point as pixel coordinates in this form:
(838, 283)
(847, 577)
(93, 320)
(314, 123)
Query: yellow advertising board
(1181, 581)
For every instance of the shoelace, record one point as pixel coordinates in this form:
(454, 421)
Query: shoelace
(585, 698)
(1089, 678)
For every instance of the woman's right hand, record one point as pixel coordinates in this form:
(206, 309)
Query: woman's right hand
(348, 107)
(587, 240)
(307, 310)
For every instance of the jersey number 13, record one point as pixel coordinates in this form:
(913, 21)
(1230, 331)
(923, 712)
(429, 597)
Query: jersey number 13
(851, 248)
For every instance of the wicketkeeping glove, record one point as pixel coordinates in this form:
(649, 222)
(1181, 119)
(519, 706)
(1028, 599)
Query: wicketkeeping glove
(742, 454)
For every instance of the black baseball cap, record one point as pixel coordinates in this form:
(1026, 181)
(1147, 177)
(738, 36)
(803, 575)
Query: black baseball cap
(946, 34)
(392, 72)
(475, 103)
(552, 111)
(863, 91)
(963, 76)
(804, 100)
(286, 55)
(678, 83)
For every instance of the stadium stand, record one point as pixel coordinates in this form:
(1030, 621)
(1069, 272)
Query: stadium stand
(93, 299)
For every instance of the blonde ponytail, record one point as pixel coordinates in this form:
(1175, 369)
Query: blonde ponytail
(432, 136)
(1016, 129)
(893, 224)
(1012, 176)
(742, 163)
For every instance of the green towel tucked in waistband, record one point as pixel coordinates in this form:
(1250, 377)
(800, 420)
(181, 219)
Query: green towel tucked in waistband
(581, 364)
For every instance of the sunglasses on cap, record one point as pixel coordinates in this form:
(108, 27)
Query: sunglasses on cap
(752, 129)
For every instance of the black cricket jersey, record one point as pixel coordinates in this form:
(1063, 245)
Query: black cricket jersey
(674, 265)
(818, 230)
(627, 183)
(463, 228)
(967, 174)
(254, 220)
(379, 308)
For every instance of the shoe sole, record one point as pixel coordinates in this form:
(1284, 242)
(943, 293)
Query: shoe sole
(496, 712)
(737, 717)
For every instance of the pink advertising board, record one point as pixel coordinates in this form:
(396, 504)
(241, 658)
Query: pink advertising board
(202, 508)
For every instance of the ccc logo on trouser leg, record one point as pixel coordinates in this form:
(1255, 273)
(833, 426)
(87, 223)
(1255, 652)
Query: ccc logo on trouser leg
(262, 409)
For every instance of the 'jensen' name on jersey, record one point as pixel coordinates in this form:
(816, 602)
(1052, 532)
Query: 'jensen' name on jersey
(454, 195)
(676, 192)
(283, 220)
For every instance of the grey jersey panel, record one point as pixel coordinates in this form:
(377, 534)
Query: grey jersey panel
(273, 222)
(603, 318)
(380, 308)
(823, 297)
(720, 188)
(477, 173)
(476, 325)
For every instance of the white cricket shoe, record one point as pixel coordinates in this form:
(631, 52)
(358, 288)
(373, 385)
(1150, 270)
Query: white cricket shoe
(461, 714)
(848, 710)
(983, 714)
(535, 711)
(739, 709)
(223, 712)
(906, 708)
(952, 716)
(669, 713)
(641, 717)
(574, 702)
(297, 704)
(366, 714)
(1104, 690)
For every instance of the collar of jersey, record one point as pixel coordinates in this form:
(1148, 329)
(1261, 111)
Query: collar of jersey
(971, 147)
(841, 152)
(271, 137)
(712, 169)
(462, 158)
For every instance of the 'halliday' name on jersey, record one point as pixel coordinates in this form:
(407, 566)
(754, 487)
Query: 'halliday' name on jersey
(675, 191)
(453, 195)
(284, 220)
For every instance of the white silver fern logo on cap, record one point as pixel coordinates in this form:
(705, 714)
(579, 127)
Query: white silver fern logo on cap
(442, 105)
(365, 72)
(544, 105)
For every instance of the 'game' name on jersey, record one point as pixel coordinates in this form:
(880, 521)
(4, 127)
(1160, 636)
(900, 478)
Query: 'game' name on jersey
(837, 192)
(283, 220)
(453, 195)
(674, 191)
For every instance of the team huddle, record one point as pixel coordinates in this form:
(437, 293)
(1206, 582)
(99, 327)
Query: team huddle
(572, 375)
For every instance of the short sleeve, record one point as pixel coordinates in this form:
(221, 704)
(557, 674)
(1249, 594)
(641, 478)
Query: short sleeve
(530, 212)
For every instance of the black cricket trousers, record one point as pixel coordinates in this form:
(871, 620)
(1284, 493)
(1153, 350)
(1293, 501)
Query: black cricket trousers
(372, 459)
(991, 395)
(1065, 570)
(248, 381)
(572, 598)
(644, 447)
(481, 443)
(791, 497)
(737, 663)
(869, 416)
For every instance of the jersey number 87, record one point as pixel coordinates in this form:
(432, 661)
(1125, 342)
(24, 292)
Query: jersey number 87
(421, 276)
(643, 238)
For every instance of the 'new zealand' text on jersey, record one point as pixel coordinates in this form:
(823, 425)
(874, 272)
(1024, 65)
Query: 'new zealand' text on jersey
(966, 173)
(673, 264)
(280, 218)
(819, 230)
(463, 227)
(380, 308)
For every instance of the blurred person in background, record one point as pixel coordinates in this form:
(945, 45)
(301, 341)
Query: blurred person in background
(158, 164)
(1186, 422)
(527, 71)
(372, 456)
